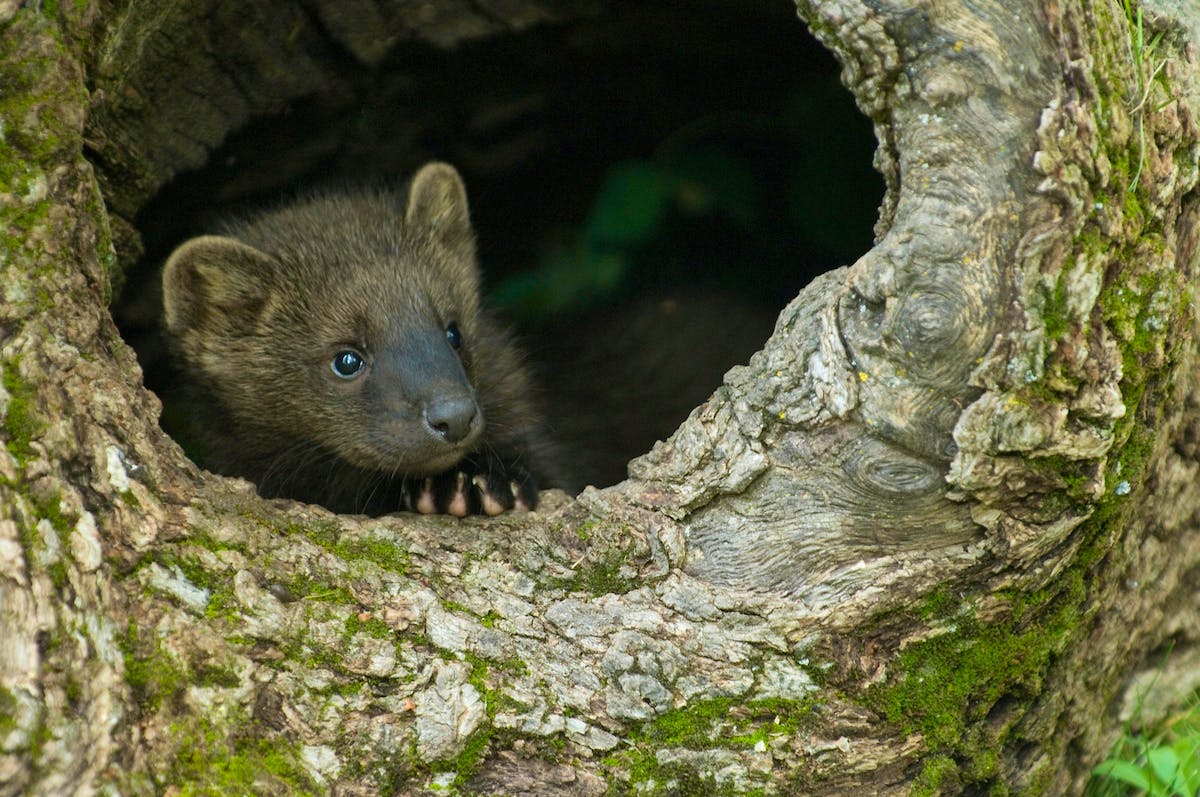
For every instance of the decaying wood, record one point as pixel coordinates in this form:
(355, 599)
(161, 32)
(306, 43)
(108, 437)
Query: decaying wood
(918, 545)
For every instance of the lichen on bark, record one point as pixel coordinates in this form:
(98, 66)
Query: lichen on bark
(60, 670)
(789, 569)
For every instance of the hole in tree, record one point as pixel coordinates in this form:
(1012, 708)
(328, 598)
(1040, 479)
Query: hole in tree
(648, 188)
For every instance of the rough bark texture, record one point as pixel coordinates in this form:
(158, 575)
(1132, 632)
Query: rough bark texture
(922, 543)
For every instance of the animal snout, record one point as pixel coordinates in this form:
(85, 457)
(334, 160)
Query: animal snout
(451, 419)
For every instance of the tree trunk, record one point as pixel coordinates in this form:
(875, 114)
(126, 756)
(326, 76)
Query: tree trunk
(925, 542)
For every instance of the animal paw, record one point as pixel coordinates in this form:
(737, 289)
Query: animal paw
(476, 486)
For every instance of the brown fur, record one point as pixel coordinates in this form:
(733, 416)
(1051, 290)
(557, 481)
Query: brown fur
(256, 315)
(656, 358)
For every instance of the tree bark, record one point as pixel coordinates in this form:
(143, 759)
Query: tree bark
(928, 541)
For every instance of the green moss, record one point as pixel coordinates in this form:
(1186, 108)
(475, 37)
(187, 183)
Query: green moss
(956, 677)
(605, 577)
(391, 776)
(346, 688)
(37, 136)
(584, 530)
(475, 748)
(212, 674)
(1135, 275)
(642, 774)
(41, 736)
(946, 687)
(33, 542)
(316, 658)
(35, 139)
(598, 578)
(324, 593)
(725, 723)
(695, 726)
(60, 577)
(939, 775)
(72, 690)
(371, 626)
(512, 665)
(8, 712)
(212, 758)
(676, 780)
(153, 673)
(323, 533)
(477, 745)
(328, 535)
(197, 573)
(720, 723)
(472, 754)
(454, 607)
(221, 601)
(1054, 309)
(50, 508)
(21, 425)
(217, 546)
(939, 603)
(28, 539)
(384, 553)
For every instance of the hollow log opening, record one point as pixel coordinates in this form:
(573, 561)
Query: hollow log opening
(648, 184)
(916, 545)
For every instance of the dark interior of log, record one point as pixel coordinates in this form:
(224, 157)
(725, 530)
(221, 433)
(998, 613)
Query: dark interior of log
(649, 187)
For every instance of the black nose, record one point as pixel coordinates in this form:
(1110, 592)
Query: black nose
(451, 418)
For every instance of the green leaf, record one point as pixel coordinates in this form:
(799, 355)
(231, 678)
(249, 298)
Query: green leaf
(567, 277)
(1165, 765)
(1124, 772)
(629, 207)
(1188, 749)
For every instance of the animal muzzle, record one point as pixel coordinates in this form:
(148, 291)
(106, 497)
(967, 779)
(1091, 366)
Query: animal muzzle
(451, 418)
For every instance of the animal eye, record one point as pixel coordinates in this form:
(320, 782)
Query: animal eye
(347, 364)
(454, 335)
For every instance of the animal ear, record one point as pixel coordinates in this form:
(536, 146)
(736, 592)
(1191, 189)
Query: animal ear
(214, 277)
(437, 200)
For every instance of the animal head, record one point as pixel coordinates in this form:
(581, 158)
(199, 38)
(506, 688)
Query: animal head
(348, 321)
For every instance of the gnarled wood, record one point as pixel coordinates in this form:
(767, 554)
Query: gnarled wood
(918, 544)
